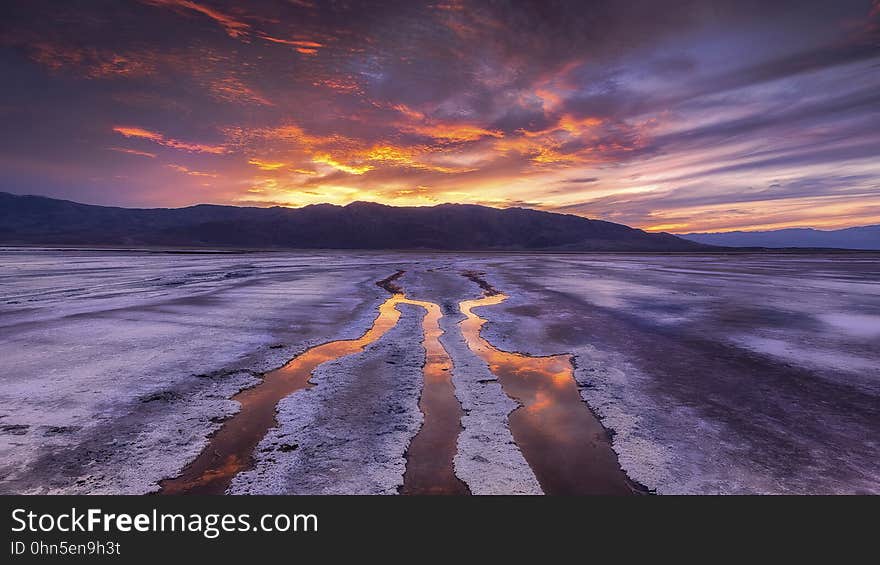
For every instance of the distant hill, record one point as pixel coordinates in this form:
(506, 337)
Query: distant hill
(360, 225)
(865, 237)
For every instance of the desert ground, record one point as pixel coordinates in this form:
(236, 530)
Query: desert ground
(131, 371)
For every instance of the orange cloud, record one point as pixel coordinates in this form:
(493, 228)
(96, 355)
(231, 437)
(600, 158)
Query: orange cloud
(231, 89)
(286, 132)
(233, 27)
(456, 148)
(442, 131)
(94, 63)
(453, 132)
(56, 57)
(140, 133)
(550, 155)
(296, 43)
(566, 125)
(541, 147)
(191, 172)
(326, 159)
(390, 153)
(116, 65)
(555, 87)
(343, 84)
(267, 165)
(577, 126)
(301, 45)
(133, 152)
(541, 150)
(409, 112)
(346, 154)
(572, 140)
(406, 156)
(666, 227)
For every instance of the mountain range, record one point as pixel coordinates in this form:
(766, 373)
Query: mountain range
(39, 220)
(864, 237)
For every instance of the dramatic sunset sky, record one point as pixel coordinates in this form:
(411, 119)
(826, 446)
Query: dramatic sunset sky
(677, 116)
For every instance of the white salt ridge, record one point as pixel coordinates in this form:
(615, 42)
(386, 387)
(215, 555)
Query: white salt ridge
(866, 326)
(487, 460)
(349, 433)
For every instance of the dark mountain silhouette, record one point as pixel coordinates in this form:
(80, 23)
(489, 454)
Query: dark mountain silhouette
(865, 238)
(360, 225)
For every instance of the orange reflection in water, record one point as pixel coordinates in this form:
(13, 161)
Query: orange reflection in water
(429, 458)
(230, 450)
(563, 442)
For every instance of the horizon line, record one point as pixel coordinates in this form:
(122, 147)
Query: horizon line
(500, 206)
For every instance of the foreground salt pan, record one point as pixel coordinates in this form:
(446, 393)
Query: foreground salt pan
(717, 373)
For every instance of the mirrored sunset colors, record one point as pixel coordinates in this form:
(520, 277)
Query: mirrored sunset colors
(678, 116)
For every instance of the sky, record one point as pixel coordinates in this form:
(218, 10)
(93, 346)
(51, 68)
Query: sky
(679, 116)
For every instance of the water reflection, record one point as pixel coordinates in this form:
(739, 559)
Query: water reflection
(430, 456)
(429, 464)
(563, 442)
(230, 450)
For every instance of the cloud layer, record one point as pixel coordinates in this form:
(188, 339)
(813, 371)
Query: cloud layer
(677, 115)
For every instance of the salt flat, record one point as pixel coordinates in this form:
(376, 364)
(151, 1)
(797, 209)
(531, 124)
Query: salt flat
(716, 373)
